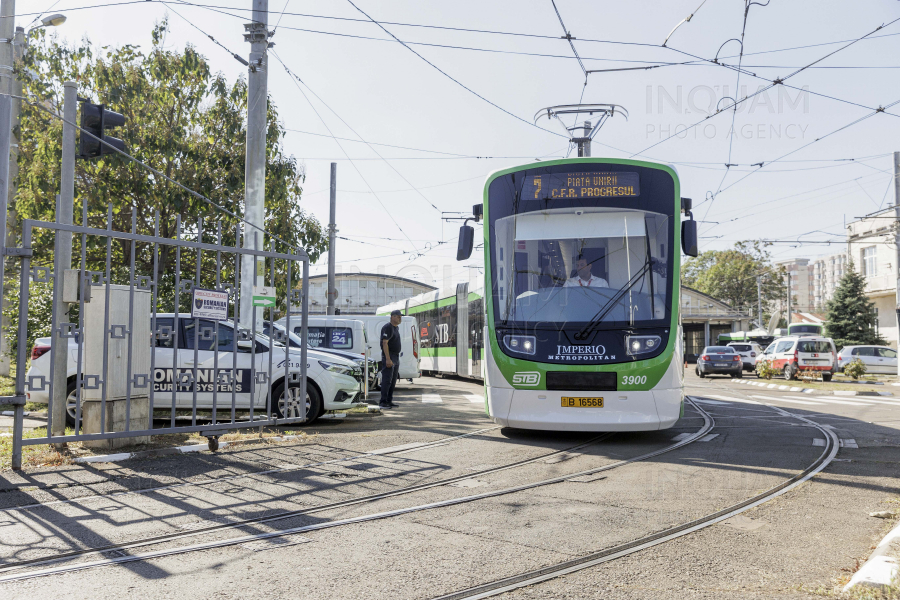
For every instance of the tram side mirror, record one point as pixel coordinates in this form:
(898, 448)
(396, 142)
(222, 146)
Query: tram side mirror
(466, 239)
(689, 237)
(478, 211)
(686, 205)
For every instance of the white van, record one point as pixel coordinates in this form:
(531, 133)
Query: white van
(354, 333)
(333, 333)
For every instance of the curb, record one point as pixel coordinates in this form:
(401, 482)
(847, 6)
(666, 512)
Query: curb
(851, 393)
(105, 458)
(881, 569)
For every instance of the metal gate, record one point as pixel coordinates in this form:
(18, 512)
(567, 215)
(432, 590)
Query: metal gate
(152, 341)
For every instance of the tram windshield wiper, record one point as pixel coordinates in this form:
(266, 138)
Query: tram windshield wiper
(650, 263)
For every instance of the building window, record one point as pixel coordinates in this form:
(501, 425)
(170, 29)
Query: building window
(869, 261)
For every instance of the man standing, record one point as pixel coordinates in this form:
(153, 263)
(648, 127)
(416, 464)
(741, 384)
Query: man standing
(390, 359)
(584, 278)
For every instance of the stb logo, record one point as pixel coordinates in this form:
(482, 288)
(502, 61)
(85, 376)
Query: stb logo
(198, 302)
(527, 378)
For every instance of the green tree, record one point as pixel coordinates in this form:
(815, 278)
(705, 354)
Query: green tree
(851, 316)
(181, 119)
(730, 276)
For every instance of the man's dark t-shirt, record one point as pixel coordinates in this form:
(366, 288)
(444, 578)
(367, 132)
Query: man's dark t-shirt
(391, 334)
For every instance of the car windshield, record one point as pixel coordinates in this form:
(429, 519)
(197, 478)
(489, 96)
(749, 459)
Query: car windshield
(741, 347)
(808, 346)
(581, 265)
(719, 350)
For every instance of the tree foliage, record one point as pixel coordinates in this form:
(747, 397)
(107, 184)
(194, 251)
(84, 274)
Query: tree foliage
(182, 119)
(851, 315)
(730, 276)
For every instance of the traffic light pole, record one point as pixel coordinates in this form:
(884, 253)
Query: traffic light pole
(62, 259)
(255, 165)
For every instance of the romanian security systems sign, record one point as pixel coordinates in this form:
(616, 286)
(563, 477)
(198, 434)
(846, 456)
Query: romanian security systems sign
(209, 304)
(581, 185)
(264, 295)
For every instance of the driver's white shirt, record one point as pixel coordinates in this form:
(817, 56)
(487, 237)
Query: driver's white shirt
(590, 282)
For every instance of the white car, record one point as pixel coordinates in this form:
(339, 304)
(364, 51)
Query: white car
(333, 382)
(878, 359)
(748, 351)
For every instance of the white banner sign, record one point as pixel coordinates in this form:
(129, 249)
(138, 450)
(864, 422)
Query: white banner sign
(209, 304)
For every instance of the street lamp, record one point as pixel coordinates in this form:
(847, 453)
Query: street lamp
(52, 21)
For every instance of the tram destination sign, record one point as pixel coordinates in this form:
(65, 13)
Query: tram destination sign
(581, 185)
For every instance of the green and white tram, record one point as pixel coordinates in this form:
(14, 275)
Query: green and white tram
(451, 330)
(582, 328)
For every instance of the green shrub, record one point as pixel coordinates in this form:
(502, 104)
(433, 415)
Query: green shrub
(855, 369)
(765, 370)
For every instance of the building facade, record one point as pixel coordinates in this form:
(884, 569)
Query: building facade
(871, 248)
(362, 293)
(802, 288)
(827, 274)
(703, 318)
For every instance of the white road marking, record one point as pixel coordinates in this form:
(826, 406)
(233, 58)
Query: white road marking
(433, 398)
(707, 438)
(732, 398)
(848, 443)
(818, 442)
(475, 399)
(830, 401)
(681, 436)
(779, 398)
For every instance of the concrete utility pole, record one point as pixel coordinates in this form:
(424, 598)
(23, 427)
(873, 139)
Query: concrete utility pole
(331, 292)
(7, 58)
(759, 301)
(584, 143)
(790, 300)
(62, 258)
(897, 241)
(257, 33)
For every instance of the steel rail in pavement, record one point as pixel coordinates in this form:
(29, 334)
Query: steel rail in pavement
(708, 425)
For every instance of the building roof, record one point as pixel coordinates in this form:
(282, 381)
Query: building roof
(374, 276)
(805, 317)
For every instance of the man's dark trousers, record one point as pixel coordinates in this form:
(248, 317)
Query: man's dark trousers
(389, 377)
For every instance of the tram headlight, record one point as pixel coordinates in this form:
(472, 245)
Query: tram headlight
(523, 344)
(642, 344)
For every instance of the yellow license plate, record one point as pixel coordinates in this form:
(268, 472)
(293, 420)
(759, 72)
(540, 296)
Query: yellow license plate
(582, 402)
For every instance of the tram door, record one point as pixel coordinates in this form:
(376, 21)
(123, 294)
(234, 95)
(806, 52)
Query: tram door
(476, 335)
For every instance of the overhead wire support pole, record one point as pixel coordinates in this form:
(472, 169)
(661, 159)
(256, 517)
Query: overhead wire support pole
(257, 34)
(897, 242)
(332, 292)
(7, 57)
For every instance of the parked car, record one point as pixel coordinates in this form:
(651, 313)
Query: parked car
(748, 352)
(334, 382)
(792, 354)
(719, 360)
(878, 359)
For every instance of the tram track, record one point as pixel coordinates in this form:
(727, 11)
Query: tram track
(226, 478)
(708, 425)
(6, 567)
(612, 553)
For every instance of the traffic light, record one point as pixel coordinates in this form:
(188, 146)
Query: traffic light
(95, 118)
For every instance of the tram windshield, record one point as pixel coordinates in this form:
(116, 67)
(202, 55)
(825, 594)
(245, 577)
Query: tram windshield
(581, 265)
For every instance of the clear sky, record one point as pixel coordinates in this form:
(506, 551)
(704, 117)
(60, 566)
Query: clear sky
(388, 95)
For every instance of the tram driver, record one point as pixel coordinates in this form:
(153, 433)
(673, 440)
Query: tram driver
(583, 276)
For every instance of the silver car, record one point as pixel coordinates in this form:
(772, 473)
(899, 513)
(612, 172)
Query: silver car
(749, 351)
(878, 359)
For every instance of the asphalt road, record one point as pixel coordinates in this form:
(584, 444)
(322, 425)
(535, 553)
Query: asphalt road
(786, 548)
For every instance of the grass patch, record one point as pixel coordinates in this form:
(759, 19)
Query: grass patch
(42, 455)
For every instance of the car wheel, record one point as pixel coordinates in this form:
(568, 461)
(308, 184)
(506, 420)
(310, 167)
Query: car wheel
(290, 402)
(701, 374)
(788, 372)
(826, 376)
(738, 375)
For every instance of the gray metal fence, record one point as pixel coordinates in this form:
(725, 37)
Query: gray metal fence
(154, 341)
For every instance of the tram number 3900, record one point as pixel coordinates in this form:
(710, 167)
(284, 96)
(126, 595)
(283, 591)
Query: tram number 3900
(634, 379)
